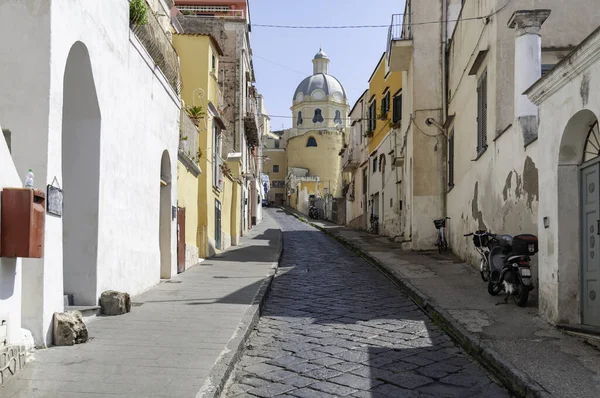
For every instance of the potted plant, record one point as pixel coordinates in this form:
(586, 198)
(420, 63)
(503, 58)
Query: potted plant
(138, 12)
(195, 113)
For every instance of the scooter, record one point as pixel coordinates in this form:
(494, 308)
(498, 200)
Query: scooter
(505, 263)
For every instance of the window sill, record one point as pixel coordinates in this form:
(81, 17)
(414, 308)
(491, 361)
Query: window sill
(450, 188)
(480, 154)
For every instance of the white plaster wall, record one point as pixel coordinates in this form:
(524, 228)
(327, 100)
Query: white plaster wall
(139, 121)
(10, 268)
(559, 243)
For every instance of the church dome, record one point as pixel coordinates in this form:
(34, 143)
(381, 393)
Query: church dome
(328, 84)
(320, 84)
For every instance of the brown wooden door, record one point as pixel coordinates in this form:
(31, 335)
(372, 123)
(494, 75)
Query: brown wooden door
(180, 239)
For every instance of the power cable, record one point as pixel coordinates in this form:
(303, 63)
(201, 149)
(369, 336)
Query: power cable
(378, 26)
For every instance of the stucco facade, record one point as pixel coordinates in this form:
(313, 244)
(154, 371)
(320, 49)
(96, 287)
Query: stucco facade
(66, 97)
(569, 107)
(10, 268)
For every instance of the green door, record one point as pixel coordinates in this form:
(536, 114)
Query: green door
(218, 224)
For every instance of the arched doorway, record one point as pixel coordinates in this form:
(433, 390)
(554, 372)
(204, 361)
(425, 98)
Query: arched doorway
(579, 219)
(81, 122)
(165, 216)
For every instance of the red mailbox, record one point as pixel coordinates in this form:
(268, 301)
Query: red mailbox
(22, 222)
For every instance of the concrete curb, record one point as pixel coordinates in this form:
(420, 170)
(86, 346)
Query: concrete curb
(514, 379)
(233, 351)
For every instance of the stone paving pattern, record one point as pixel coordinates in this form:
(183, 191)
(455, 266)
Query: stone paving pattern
(334, 326)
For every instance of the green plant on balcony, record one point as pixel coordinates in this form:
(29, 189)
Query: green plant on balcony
(195, 113)
(138, 12)
(382, 116)
(394, 125)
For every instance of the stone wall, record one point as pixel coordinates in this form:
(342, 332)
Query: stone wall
(12, 360)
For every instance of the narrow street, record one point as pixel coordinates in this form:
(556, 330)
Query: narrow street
(334, 326)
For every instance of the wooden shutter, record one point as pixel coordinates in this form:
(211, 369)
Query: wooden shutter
(451, 160)
(397, 108)
(482, 113)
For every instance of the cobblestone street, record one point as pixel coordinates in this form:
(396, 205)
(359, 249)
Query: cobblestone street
(334, 326)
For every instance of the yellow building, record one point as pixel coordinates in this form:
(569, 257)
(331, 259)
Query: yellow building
(275, 166)
(218, 188)
(384, 178)
(320, 116)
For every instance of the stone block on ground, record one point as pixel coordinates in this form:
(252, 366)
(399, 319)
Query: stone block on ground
(69, 328)
(115, 303)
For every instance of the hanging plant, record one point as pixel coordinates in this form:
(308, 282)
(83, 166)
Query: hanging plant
(195, 113)
(138, 12)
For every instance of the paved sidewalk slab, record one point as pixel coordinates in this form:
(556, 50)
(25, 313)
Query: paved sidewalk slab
(178, 334)
(532, 357)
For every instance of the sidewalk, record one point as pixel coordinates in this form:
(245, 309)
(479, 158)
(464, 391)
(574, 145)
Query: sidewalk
(181, 336)
(527, 353)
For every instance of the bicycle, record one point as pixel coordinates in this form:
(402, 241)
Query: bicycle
(441, 242)
(374, 225)
(483, 241)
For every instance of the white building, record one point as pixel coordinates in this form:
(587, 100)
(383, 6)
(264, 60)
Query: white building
(569, 172)
(89, 110)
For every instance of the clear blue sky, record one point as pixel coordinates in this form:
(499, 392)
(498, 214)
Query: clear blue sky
(353, 52)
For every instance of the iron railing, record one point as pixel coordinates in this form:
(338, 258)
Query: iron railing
(400, 28)
(211, 12)
(155, 40)
(188, 137)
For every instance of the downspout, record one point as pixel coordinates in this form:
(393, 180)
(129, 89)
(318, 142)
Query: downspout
(444, 68)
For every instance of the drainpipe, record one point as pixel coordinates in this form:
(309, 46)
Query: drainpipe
(528, 69)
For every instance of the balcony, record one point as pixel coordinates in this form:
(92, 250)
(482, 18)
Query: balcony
(211, 11)
(189, 152)
(151, 34)
(400, 43)
(350, 160)
(251, 120)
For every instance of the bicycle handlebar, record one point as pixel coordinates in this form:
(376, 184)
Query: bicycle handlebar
(470, 234)
(480, 234)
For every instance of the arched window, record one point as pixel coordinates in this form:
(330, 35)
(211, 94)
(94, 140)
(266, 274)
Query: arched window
(338, 118)
(299, 119)
(592, 144)
(311, 142)
(318, 118)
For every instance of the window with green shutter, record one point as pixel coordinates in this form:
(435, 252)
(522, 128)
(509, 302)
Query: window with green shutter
(397, 116)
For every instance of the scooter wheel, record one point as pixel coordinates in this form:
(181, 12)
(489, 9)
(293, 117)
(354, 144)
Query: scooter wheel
(522, 295)
(494, 288)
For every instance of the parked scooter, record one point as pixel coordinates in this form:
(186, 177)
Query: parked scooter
(505, 263)
(313, 212)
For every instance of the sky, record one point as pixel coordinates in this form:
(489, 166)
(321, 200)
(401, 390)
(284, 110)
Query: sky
(283, 57)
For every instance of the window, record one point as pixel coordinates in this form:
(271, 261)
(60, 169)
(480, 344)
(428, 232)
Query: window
(546, 68)
(311, 142)
(299, 119)
(275, 168)
(382, 169)
(338, 118)
(318, 117)
(397, 116)
(385, 104)
(482, 114)
(277, 144)
(592, 144)
(365, 174)
(214, 62)
(374, 165)
(372, 117)
(216, 157)
(451, 160)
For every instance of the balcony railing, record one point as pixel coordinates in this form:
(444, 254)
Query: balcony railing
(155, 40)
(188, 138)
(251, 120)
(211, 12)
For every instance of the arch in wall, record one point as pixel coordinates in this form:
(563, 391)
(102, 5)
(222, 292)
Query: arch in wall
(165, 216)
(578, 201)
(81, 133)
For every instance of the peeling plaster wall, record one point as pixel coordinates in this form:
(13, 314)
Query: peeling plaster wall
(499, 191)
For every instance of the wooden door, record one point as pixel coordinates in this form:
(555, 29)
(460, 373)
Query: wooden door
(180, 239)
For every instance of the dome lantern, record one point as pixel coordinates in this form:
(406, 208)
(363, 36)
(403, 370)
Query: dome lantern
(320, 63)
